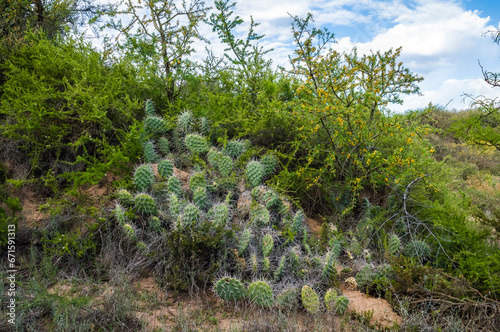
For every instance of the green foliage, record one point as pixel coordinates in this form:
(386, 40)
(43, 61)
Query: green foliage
(230, 289)
(144, 177)
(261, 294)
(310, 300)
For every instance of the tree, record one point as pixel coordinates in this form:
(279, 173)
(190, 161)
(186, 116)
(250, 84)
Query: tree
(158, 34)
(348, 129)
(482, 127)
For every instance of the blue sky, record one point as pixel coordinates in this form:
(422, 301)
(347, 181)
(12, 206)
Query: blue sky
(442, 40)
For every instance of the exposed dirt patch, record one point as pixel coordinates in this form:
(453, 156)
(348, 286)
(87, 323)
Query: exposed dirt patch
(31, 215)
(314, 226)
(383, 315)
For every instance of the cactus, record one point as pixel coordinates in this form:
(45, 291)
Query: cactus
(190, 215)
(266, 264)
(174, 205)
(304, 241)
(164, 145)
(200, 198)
(144, 177)
(145, 204)
(298, 221)
(259, 215)
(230, 289)
(166, 168)
(197, 180)
(214, 156)
(269, 162)
(417, 248)
(394, 244)
(220, 215)
(244, 240)
(365, 276)
(254, 263)
(153, 125)
(261, 294)
(185, 121)
(330, 297)
(125, 197)
(120, 214)
(149, 108)
(329, 272)
(254, 172)
(258, 193)
(142, 247)
(267, 245)
(196, 143)
(234, 148)
(281, 267)
(271, 200)
(155, 225)
(310, 300)
(341, 304)
(335, 247)
(294, 259)
(174, 186)
(205, 125)
(288, 299)
(150, 154)
(129, 232)
(225, 165)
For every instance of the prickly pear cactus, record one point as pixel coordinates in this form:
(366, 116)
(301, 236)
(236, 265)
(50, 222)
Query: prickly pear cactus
(155, 225)
(259, 215)
(174, 205)
(153, 125)
(254, 263)
(261, 294)
(329, 273)
(335, 247)
(365, 276)
(214, 156)
(271, 200)
(164, 145)
(230, 289)
(234, 148)
(185, 121)
(244, 240)
(330, 297)
(166, 168)
(281, 267)
(288, 299)
(197, 180)
(174, 186)
(254, 172)
(144, 177)
(269, 163)
(298, 222)
(341, 304)
(145, 204)
(205, 126)
(200, 198)
(149, 108)
(394, 244)
(196, 143)
(120, 214)
(150, 154)
(417, 248)
(267, 245)
(258, 193)
(125, 197)
(310, 300)
(220, 214)
(190, 215)
(225, 165)
(129, 232)
(266, 264)
(294, 259)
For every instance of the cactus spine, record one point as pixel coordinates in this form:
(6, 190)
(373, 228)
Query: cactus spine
(230, 289)
(225, 165)
(166, 168)
(145, 204)
(190, 215)
(200, 198)
(174, 186)
(144, 177)
(125, 197)
(244, 240)
(269, 163)
(185, 121)
(261, 294)
(310, 300)
(196, 143)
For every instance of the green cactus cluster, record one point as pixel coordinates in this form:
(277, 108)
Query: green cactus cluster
(190, 215)
(164, 145)
(225, 165)
(174, 186)
(394, 244)
(200, 198)
(234, 148)
(269, 162)
(230, 289)
(267, 244)
(125, 197)
(254, 172)
(261, 294)
(143, 177)
(196, 143)
(185, 121)
(145, 204)
(197, 180)
(310, 300)
(166, 168)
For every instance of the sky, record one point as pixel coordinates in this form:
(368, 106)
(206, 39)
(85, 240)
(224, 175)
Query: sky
(441, 40)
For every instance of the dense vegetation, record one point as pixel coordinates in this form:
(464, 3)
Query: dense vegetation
(242, 153)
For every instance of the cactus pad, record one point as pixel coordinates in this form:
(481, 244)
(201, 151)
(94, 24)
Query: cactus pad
(200, 198)
(341, 304)
(185, 121)
(225, 165)
(166, 168)
(254, 172)
(154, 125)
(267, 245)
(330, 297)
(196, 143)
(230, 289)
(174, 186)
(394, 244)
(234, 148)
(220, 214)
(310, 300)
(164, 145)
(261, 294)
(259, 215)
(190, 215)
(145, 204)
(144, 177)
(244, 240)
(197, 180)
(269, 162)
